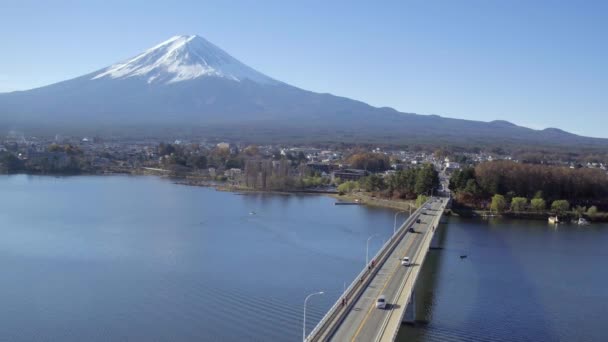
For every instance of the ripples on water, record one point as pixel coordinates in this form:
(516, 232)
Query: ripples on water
(139, 258)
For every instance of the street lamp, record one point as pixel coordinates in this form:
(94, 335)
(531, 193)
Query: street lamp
(304, 323)
(367, 250)
(395, 224)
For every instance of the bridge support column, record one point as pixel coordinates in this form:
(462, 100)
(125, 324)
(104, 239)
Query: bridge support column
(435, 244)
(410, 310)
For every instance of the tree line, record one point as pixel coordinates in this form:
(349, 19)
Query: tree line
(478, 184)
(405, 184)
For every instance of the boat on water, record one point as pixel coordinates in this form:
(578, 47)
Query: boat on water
(553, 220)
(488, 215)
(583, 222)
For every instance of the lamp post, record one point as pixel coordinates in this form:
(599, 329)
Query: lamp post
(367, 250)
(304, 323)
(395, 224)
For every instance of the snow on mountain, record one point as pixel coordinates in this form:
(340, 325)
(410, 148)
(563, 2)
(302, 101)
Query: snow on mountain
(183, 58)
(188, 83)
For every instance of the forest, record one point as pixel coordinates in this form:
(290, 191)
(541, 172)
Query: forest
(477, 185)
(405, 184)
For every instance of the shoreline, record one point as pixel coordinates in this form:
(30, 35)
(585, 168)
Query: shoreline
(359, 197)
(373, 201)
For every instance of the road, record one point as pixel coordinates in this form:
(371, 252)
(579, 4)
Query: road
(364, 322)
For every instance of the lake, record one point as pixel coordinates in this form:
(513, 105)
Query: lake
(521, 281)
(140, 258)
(98, 258)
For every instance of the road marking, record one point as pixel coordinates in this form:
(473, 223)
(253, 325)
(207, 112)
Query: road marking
(407, 246)
(400, 291)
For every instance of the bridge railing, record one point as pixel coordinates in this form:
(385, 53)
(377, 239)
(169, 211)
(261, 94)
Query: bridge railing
(352, 293)
(422, 249)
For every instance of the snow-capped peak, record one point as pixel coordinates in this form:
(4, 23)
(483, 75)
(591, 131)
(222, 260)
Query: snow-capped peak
(183, 58)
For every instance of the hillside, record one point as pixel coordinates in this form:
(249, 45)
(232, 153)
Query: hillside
(187, 85)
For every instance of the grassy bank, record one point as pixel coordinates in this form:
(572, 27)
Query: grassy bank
(367, 199)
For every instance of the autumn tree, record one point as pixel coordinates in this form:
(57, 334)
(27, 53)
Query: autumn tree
(373, 162)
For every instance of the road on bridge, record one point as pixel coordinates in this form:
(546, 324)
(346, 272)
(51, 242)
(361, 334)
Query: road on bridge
(365, 322)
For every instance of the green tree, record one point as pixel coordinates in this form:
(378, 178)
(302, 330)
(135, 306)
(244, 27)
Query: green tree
(579, 211)
(347, 187)
(420, 200)
(592, 211)
(538, 204)
(560, 206)
(426, 180)
(472, 188)
(372, 183)
(235, 163)
(10, 163)
(499, 203)
(519, 204)
(199, 162)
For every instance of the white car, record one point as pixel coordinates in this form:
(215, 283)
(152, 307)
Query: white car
(405, 261)
(381, 302)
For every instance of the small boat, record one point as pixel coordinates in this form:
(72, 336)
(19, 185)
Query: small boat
(252, 213)
(583, 222)
(553, 220)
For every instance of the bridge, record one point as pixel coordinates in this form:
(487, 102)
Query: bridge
(354, 317)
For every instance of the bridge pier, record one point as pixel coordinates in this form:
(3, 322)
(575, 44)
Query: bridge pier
(410, 310)
(435, 241)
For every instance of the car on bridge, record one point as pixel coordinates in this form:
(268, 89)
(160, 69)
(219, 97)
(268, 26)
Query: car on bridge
(405, 261)
(381, 302)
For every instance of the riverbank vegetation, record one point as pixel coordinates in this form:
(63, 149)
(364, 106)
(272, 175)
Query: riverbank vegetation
(404, 184)
(57, 159)
(502, 186)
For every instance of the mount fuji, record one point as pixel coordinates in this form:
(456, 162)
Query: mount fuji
(188, 83)
(183, 58)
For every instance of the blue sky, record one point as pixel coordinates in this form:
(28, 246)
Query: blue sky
(535, 63)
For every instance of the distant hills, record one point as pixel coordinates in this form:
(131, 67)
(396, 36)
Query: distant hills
(187, 84)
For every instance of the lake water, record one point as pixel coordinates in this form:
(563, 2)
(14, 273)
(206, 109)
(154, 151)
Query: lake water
(142, 259)
(521, 281)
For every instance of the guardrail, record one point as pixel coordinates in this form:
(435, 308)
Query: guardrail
(338, 311)
(421, 249)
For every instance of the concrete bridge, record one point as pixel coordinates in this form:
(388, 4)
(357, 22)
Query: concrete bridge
(354, 317)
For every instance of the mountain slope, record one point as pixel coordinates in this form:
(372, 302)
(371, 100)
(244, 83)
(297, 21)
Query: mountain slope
(190, 83)
(183, 58)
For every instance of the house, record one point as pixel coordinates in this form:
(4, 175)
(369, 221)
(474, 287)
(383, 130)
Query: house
(452, 166)
(233, 173)
(320, 167)
(349, 174)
